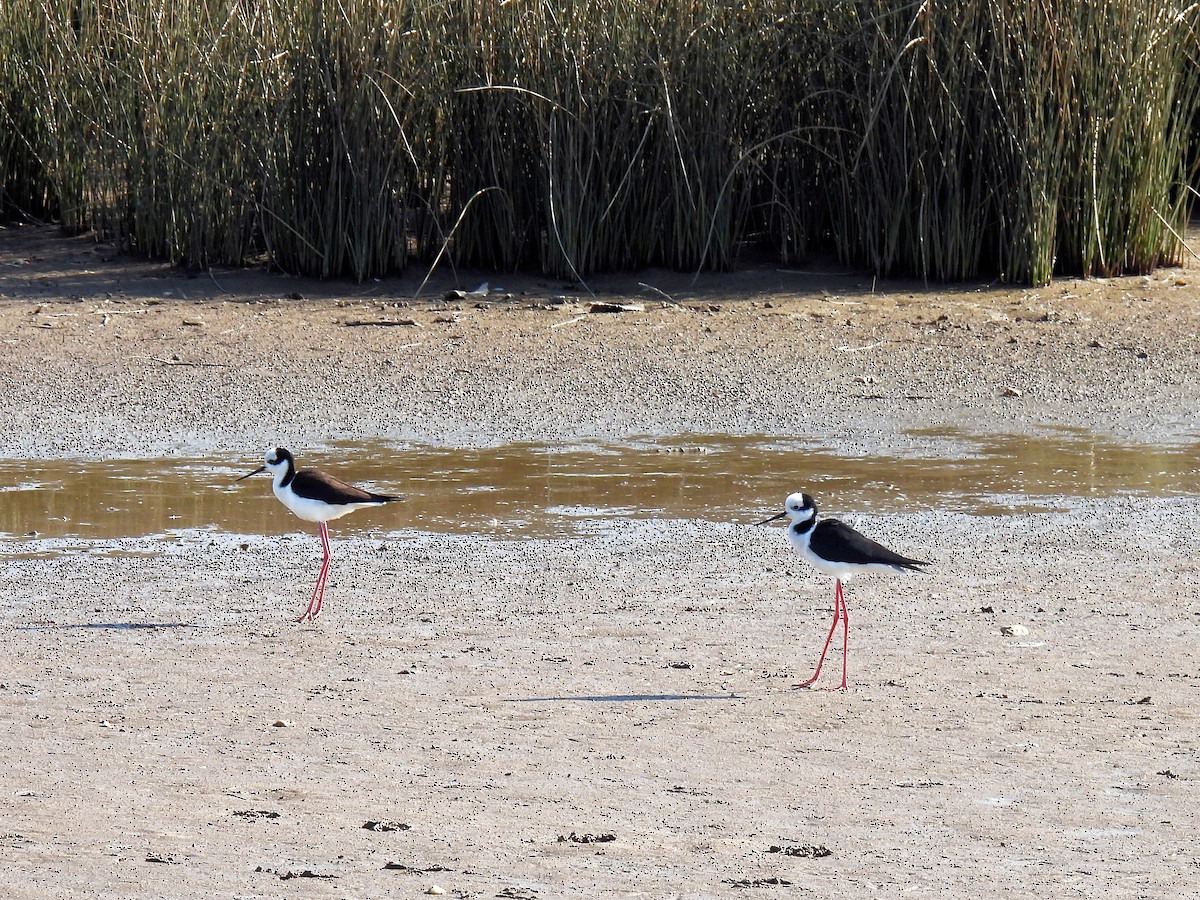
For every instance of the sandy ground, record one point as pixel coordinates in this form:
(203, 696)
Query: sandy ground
(611, 716)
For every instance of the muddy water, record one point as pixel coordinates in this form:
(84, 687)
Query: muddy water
(546, 491)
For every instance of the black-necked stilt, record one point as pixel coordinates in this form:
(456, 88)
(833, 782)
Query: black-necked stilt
(834, 548)
(315, 497)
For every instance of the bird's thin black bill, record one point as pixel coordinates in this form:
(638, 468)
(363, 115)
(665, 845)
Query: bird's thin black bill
(772, 519)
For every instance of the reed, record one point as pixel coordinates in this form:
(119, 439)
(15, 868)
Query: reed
(24, 187)
(357, 137)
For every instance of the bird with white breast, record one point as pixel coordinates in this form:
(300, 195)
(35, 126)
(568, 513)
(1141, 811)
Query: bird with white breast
(315, 497)
(834, 548)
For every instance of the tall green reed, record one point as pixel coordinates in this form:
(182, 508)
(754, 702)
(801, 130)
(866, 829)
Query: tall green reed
(355, 137)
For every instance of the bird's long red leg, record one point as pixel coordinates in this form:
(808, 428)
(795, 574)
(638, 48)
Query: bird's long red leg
(318, 594)
(841, 599)
(838, 607)
(325, 569)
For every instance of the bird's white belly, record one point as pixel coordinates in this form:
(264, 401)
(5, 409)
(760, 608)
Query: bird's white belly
(833, 569)
(845, 571)
(316, 510)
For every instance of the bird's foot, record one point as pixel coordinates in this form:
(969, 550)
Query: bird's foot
(808, 685)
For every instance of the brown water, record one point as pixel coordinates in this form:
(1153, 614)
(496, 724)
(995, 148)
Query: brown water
(547, 491)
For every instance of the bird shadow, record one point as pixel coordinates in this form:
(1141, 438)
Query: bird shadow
(625, 698)
(113, 626)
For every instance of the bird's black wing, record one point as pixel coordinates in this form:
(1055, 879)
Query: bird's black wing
(319, 486)
(833, 539)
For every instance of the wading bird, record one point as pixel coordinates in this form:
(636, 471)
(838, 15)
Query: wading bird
(315, 497)
(834, 548)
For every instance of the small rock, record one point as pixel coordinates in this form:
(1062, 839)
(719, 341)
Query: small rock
(435, 889)
(601, 307)
(1012, 392)
(589, 838)
(809, 851)
(386, 825)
